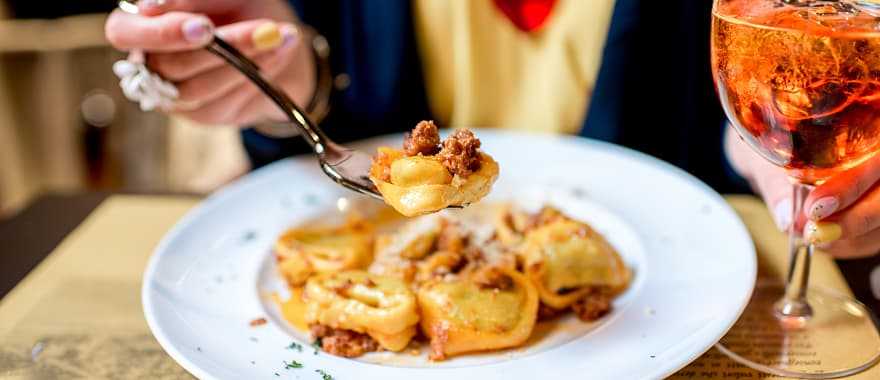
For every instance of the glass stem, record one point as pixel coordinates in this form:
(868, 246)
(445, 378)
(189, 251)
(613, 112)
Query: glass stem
(794, 304)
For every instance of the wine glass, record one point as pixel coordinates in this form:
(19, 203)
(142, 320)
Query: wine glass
(800, 82)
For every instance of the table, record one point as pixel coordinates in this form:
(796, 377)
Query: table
(78, 314)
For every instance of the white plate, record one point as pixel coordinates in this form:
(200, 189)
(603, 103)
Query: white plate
(694, 269)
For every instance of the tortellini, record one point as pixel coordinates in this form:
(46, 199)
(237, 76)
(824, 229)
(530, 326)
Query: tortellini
(435, 246)
(428, 175)
(488, 309)
(420, 185)
(567, 260)
(380, 306)
(396, 253)
(300, 252)
(470, 280)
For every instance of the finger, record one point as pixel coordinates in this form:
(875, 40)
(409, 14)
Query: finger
(860, 219)
(842, 190)
(772, 183)
(221, 111)
(859, 247)
(218, 82)
(298, 82)
(157, 7)
(232, 108)
(174, 31)
(250, 37)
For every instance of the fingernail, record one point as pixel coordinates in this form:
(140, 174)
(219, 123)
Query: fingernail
(197, 30)
(267, 36)
(822, 232)
(290, 36)
(782, 214)
(823, 208)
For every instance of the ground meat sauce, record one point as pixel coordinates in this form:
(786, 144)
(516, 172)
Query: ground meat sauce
(493, 278)
(459, 153)
(544, 217)
(341, 342)
(593, 306)
(423, 140)
(451, 238)
(385, 161)
(547, 313)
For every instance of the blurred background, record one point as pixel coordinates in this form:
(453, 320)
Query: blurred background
(65, 126)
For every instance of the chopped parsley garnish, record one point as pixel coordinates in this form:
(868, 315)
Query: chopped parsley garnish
(276, 374)
(295, 346)
(317, 345)
(324, 375)
(292, 364)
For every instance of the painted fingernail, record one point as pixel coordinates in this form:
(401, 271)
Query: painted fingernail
(823, 208)
(267, 36)
(822, 232)
(197, 30)
(782, 214)
(290, 36)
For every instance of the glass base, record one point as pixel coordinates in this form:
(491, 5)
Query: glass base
(840, 339)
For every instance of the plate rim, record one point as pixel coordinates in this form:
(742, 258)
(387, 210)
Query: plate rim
(234, 187)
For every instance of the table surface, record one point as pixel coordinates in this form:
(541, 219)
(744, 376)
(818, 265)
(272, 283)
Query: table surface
(103, 334)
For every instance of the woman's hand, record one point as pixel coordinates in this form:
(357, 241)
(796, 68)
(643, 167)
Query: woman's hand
(844, 212)
(841, 216)
(173, 33)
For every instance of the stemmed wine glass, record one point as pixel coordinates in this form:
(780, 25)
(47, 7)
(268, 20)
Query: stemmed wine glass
(800, 82)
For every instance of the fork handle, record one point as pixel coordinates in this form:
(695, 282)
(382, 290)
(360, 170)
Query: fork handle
(316, 138)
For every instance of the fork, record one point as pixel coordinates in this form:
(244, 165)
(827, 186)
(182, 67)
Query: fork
(346, 166)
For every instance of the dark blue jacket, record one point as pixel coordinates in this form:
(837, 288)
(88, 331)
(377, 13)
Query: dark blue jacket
(654, 91)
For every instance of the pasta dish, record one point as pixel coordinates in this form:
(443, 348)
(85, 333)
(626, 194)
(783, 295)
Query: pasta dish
(459, 281)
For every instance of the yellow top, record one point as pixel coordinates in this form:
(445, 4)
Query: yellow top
(481, 71)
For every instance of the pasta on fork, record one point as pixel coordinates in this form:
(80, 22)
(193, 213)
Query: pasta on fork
(427, 176)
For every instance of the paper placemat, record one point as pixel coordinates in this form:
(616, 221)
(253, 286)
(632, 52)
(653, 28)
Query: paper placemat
(78, 314)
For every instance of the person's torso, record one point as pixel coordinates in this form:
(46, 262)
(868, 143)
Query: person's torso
(482, 70)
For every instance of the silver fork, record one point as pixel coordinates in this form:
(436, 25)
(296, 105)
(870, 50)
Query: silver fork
(345, 166)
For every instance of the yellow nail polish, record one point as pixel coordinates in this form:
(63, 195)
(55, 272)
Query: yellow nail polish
(822, 232)
(267, 36)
